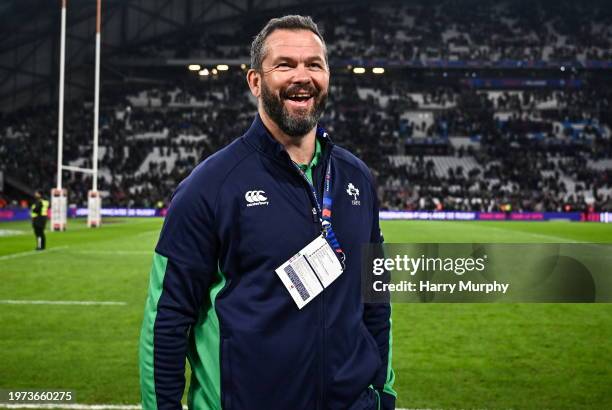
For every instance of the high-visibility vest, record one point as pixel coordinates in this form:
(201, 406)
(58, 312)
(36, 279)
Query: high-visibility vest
(43, 209)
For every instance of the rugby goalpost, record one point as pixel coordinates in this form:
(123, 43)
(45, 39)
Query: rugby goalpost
(59, 195)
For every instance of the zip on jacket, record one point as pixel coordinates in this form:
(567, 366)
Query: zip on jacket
(214, 296)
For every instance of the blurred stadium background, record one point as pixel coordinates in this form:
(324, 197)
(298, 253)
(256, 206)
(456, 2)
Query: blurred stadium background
(473, 110)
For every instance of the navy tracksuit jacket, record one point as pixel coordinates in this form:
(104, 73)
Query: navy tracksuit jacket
(214, 295)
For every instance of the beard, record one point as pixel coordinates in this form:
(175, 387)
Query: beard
(294, 125)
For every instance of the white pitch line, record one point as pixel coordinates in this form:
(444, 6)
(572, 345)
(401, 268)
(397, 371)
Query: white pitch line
(28, 253)
(11, 232)
(118, 252)
(74, 406)
(147, 233)
(556, 239)
(61, 302)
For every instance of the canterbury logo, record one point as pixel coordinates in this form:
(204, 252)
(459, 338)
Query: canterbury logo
(254, 198)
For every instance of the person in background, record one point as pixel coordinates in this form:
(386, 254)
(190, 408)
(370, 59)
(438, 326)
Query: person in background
(38, 212)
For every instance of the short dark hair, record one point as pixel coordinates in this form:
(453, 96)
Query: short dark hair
(291, 22)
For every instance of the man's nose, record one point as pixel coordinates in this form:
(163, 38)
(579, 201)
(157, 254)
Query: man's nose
(301, 74)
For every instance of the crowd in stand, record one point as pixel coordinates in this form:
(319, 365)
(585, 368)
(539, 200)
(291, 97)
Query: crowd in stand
(534, 148)
(472, 30)
(527, 157)
(517, 163)
(522, 179)
(479, 30)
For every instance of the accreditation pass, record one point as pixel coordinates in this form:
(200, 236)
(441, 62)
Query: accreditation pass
(309, 271)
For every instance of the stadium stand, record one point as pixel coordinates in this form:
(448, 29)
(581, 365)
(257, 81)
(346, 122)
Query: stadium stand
(541, 162)
(436, 137)
(427, 32)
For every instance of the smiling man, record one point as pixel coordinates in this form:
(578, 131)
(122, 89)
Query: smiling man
(254, 280)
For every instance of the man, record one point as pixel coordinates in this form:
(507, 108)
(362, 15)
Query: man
(38, 213)
(217, 294)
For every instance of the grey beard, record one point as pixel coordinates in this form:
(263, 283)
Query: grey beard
(297, 126)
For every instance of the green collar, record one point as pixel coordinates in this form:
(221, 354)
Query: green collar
(315, 158)
(307, 168)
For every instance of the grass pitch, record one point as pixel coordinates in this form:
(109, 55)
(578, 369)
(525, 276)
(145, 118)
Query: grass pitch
(530, 356)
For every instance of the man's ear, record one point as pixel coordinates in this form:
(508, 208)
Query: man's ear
(254, 80)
